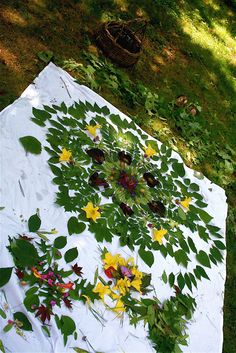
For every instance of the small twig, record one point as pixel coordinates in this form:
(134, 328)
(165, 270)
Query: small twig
(65, 87)
(21, 189)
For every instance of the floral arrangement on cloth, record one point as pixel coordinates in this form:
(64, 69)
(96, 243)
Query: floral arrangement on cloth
(124, 280)
(48, 286)
(119, 182)
(122, 288)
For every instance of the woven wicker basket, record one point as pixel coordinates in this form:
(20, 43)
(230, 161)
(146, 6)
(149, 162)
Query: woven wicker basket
(120, 43)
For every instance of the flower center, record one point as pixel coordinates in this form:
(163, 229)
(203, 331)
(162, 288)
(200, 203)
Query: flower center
(128, 182)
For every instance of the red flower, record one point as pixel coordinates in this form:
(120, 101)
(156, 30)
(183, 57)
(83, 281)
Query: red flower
(77, 270)
(19, 273)
(95, 180)
(44, 313)
(109, 272)
(68, 303)
(126, 209)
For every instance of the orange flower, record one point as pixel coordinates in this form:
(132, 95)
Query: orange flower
(65, 285)
(35, 272)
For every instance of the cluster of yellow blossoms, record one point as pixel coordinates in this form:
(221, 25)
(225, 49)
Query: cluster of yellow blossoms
(131, 279)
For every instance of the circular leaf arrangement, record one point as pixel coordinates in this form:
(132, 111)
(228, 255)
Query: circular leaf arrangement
(122, 183)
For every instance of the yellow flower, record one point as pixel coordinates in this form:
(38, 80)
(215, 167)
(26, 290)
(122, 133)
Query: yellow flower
(136, 283)
(137, 273)
(122, 285)
(149, 151)
(102, 290)
(92, 129)
(123, 262)
(65, 155)
(157, 235)
(113, 295)
(111, 261)
(185, 203)
(119, 308)
(91, 211)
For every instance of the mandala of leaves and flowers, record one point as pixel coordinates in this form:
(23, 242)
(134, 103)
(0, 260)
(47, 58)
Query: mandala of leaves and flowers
(119, 182)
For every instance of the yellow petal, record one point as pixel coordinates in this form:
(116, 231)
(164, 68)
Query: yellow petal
(185, 203)
(149, 151)
(136, 283)
(137, 273)
(119, 308)
(102, 290)
(111, 260)
(157, 235)
(91, 211)
(92, 129)
(65, 155)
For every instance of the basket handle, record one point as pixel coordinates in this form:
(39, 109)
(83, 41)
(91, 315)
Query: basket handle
(141, 30)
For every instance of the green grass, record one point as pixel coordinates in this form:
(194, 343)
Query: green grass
(189, 49)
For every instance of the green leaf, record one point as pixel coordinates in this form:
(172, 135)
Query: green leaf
(205, 217)
(200, 272)
(151, 315)
(203, 258)
(71, 254)
(181, 281)
(31, 291)
(74, 226)
(3, 314)
(34, 223)
(192, 245)
(31, 144)
(194, 187)
(25, 254)
(41, 115)
(219, 245)
(22, 318)
(146, 256)
(31, 301)
(216, 254)
(80, 350)
(188, 281)
(7, 328)
(67, 325)
(2, 349)
(164, 277)
(46, 331)
(182, 214)
(171, 279)
(203, 233)
(181, 257)
(179, 169)
(60, 242)
(5, 275)
(193, 279)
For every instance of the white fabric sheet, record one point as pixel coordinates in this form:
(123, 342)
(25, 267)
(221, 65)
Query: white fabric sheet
(52, 86)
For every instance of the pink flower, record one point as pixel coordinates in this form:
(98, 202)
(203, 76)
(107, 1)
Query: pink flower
(44, 276)
(52, 302)
(125, 271)
(50, 282)
(10, 322)
(51, 274)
